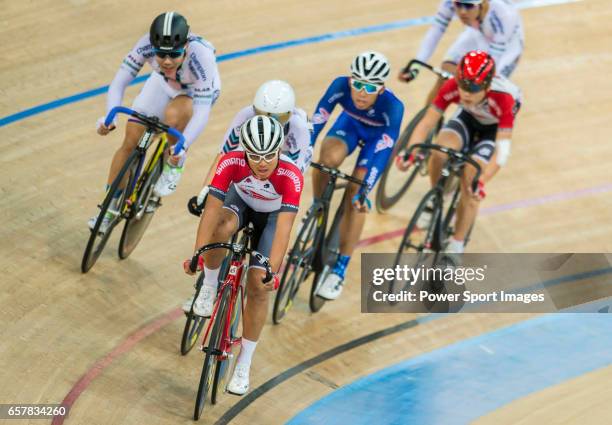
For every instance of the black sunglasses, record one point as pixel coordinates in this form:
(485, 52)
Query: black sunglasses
(174, 54)
(466, 6)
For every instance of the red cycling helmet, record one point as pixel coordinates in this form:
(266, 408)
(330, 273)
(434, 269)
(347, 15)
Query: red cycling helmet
(475, 71)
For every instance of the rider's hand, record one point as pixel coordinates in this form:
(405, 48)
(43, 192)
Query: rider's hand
(406, 76)
(480, 192)
(403, 162)
(196, 203)
(102, 129)
(366, 206)
(176, 159)
(271, 285)
(187, 263)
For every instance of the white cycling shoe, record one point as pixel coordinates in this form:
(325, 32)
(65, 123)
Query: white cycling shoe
(106, 221)
(205, 302)
(454, 247)
(187, 304)
(167, 182)
(331, 288)
(239, 384)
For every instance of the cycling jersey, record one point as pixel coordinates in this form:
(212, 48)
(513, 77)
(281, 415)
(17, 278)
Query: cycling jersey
(297, 136)
(500, 105)
(377, 127)
(197, 77)
(500, 34)
(280, 192)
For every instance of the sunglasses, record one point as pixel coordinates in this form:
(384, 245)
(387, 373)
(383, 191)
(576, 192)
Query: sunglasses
(174, 54)
(470, 86)
(369, 88)
(282, 118)
(466, 6)
(269, 157)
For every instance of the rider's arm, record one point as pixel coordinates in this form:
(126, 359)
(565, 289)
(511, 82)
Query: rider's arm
(301, 153)
(206, 228)
(130, 67)
(436, 31)
(505, 23)
(205, 90)
(384, 147)
(337, 90)
(284, 223)
(502, 151)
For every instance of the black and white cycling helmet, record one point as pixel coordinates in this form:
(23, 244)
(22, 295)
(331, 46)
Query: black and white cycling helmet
(169, 31)
(370, 67)
(261, 135)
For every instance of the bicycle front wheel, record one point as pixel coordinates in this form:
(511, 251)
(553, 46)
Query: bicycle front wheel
(299, 264)
(97, 240)
(193, 325)
(419, 236)
(141, 213)
(212, 352)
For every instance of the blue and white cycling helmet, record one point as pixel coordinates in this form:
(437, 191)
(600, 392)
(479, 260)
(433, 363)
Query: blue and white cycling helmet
(370, 67)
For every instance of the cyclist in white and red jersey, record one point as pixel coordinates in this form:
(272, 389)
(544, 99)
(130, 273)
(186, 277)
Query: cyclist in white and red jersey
(259, 186)
(274, 98)
(482, 126)
(494, 26)
(180, 91)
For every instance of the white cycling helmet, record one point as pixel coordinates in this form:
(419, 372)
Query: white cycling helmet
(469, 1)
(261, 135)
(274, 97)
(370, 67)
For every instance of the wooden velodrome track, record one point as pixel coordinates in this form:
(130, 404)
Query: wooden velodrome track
(55, 323)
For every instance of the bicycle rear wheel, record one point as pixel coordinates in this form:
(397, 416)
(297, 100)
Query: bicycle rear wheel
(299, 264)
(415, 240)
(390, 188)
(97, 240)
(212, 350)
(138, 221)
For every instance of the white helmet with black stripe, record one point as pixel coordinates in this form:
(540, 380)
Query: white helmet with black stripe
(370, 67)
(261, 135)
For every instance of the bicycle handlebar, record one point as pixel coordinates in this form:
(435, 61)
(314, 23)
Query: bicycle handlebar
(453, 154)
(236, 249)
(150, 121)
(337, 173)
(414, 72)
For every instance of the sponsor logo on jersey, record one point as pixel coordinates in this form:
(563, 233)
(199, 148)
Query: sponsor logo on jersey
(293, 176)
(363, 162)
(371, 112)
(229, 162)
(267, 186)
(321, 116)
(335, 96)
(451, 95)
(194, 64)
(372, 177)
(385, 143)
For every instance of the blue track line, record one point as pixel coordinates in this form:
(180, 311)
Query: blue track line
(405, 23)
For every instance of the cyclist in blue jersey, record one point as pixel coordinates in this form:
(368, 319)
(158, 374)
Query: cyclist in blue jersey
(371, 118)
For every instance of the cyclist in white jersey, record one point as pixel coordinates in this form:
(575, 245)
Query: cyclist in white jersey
(180, 91)
(273, 98)
(493, 26)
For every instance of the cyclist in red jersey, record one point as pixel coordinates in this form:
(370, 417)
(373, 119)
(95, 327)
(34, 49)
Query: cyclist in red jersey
(482, 126)
(258, 186)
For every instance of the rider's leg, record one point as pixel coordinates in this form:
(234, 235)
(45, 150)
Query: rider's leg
(177, 115)
(339, 142)
(449, 138)
(352, 222)
(133, 132)
(256, 308)
(224, 226)
(332, 154)
(468, 203)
